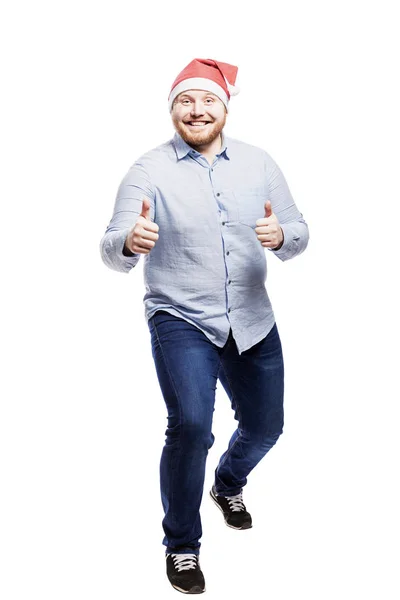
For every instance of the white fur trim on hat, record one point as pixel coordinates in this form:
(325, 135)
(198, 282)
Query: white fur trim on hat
(233, 89)
(198, 83)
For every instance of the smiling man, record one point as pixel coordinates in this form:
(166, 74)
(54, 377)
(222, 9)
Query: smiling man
(199, 117)
(203, 209)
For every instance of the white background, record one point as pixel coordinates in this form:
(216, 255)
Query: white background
(85, 89)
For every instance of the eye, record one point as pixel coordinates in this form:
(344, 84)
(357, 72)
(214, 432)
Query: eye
(185, 101)
(210, 100)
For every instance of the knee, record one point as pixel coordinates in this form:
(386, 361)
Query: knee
(269, 439)
(191, 434)
(264, 439)
(197, 434)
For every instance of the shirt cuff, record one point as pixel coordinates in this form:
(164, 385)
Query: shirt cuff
(113, 257)
(289, 237)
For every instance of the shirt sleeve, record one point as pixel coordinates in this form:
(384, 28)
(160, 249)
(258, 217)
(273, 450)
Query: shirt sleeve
(134, 187)
(294, 227)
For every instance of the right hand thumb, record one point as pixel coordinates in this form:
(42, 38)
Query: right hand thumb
(145, 209)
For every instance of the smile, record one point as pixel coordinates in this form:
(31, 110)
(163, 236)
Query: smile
(197, 123)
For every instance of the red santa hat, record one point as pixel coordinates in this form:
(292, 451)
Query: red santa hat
(206, 74)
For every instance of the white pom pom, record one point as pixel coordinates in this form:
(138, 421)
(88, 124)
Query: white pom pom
(233, 89)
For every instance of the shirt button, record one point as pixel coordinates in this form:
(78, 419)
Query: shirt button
(230, 281)
(218, 194)
(229, 310)
(223, 222)
(228, 252)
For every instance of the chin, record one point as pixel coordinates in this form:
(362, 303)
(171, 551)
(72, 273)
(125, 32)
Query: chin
(199, 139)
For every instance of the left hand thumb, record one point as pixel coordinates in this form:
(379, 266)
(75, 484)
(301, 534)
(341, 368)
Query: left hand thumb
(268, 209)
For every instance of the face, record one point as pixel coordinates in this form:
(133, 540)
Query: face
(198, 116)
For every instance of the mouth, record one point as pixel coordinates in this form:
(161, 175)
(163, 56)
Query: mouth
(197, 124)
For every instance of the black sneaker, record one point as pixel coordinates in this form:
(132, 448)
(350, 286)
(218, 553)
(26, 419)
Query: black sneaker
(184, 573)
(233, 509)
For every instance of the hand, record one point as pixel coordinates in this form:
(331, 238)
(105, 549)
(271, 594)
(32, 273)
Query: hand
(268, 230)
(142, 238)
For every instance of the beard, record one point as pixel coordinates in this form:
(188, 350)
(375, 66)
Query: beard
(200, 138)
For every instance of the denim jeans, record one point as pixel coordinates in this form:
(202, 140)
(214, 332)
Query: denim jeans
(188, 365)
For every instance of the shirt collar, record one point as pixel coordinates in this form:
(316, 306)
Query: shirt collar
(182, 149)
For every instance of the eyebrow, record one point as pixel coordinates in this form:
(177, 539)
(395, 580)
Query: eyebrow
(184, 94)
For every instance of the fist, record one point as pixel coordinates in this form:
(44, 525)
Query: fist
(142, 238)
(268, 230)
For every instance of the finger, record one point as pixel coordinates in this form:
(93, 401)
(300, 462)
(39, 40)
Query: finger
(150, 226)
(140, 250)
(147, 224)
(145, 208)
(148, 235)
(268, 209)
(265, 221)
(267, 229)
(141, 241)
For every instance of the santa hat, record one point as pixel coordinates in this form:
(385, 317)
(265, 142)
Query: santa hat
(206, 74)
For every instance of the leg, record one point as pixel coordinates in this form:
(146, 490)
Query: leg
(187, 366)
(254, 383)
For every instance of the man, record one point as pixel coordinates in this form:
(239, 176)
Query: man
(203, 209)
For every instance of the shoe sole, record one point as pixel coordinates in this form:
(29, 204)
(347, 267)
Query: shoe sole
(249, 526)
(194, 590)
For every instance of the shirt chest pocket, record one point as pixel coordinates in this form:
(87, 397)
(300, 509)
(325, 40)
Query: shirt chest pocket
(250, 206)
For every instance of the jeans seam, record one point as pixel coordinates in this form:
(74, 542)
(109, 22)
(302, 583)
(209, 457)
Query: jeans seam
(180, 417)
(228, 453)
(234, 398)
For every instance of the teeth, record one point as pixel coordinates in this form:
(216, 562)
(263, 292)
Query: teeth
(197, 123)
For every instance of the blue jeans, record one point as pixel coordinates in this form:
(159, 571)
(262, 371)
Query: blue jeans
(188, 365)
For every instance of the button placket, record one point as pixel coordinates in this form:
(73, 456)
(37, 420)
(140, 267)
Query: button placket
(217, 195)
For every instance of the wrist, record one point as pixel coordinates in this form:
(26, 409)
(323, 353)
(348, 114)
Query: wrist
(126, 251)
(279, 246)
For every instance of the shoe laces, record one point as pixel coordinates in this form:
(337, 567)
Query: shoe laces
(236, 502)
(184, 562)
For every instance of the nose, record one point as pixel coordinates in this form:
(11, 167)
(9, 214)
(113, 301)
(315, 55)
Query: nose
(197, 108)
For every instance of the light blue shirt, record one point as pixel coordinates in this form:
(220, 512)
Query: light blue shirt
(208, 266)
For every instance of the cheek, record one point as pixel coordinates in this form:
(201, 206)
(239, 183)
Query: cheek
(220, 112)
(178, 115)
(219, 116)
(183, 114)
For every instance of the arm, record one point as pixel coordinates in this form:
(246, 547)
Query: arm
(127, 208)
(294, 228)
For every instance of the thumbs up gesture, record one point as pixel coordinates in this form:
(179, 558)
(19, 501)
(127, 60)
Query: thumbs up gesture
(268, 230)
(142, 238)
